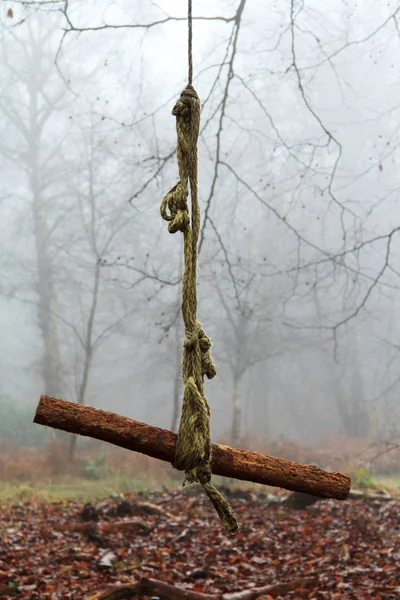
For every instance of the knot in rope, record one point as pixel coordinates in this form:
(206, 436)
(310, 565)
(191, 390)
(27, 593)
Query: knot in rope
(193, 446)
(208, 367)
(175, 201)
(199, 337)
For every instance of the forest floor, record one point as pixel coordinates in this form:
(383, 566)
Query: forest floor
(66, 549)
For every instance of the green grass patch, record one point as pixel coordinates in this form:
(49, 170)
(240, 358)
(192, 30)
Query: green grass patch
(85, 490)
(391, 482)
(75, 489)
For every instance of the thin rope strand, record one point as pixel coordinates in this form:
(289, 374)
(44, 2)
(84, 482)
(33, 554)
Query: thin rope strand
(190, 42)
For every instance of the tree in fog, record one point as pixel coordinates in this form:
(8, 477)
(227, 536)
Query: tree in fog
(31, 99)
(243, 309)
(99, 226)
(351, 393)
(293, 134)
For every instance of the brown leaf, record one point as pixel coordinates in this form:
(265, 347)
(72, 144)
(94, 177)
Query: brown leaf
(42, 544)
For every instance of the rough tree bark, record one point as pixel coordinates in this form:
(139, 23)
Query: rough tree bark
(159, 443)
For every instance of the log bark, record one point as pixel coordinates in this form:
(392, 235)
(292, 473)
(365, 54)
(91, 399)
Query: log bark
(159, 443)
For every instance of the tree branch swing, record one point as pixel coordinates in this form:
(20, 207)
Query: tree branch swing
(191, 450)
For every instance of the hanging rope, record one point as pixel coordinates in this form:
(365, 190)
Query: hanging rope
(190, 43)
(193, 448)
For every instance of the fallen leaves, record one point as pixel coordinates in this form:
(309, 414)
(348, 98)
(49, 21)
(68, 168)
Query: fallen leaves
(70, 550)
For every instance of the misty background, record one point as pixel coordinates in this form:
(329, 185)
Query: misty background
(299, 190)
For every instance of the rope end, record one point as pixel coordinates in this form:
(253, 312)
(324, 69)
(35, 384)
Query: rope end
(223, 508)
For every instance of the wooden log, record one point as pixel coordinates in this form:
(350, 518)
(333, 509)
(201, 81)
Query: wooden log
(159, 443)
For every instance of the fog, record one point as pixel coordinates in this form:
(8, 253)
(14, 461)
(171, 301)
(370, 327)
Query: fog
(299, 192)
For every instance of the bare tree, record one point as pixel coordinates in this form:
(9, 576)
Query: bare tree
(29, 100)
(100, 226)
(247, 339)
(350, 389)
(290, 134)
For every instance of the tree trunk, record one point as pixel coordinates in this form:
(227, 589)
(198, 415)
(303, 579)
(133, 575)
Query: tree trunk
(47, 305)
(178, 356)
(45, 275)
(236, 410)
(178, 376)
(88, 353)
(353, 409)
(33, 76)
(176, 397)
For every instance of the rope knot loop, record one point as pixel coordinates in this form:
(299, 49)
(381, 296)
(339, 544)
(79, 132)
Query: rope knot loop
(174, 208)
(207, 365)
(183, 106)
(187, 113)
(198, 336)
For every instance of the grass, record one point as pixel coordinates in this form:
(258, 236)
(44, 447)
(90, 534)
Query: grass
(74, 489)
(84, 490)
(29, 476)
(391, 483)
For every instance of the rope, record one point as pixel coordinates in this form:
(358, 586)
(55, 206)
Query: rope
(193, 447)
(190, 43)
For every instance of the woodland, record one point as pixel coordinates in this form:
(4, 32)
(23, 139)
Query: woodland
(297, 285)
